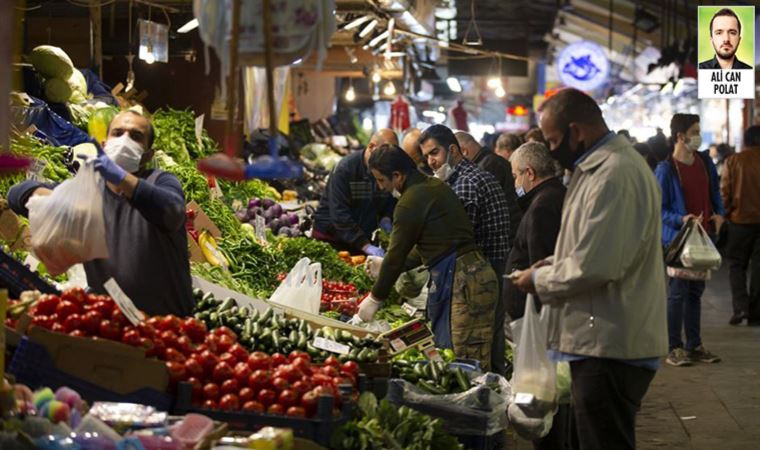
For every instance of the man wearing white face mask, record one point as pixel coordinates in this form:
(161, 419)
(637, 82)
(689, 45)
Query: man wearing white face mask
(690, 189)
(144, 212)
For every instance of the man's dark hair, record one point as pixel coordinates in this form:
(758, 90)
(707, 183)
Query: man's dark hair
(442, 135)
(508, 140)
(535, 134)
(752, 136)
(389, 158)
(680, 123)
(726, 12)
(571, 105)
(151, 130)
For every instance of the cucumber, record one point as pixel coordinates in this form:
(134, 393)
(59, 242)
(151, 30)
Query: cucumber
(430, 387)
(276, 339)
(462, 380)
(228, 303)
(267, 316)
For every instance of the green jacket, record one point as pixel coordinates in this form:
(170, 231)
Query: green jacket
(430, 217)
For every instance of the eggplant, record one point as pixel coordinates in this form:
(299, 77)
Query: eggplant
(277, 209)
(293, 218)
(254, 202)
(270, 215)
(267, 203)
(284, 218)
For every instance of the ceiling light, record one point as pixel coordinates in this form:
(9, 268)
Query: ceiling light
(368, 29)
(376, 78)
(454, 84)
(389, 89)
(189, 26)
(500, 92)
(350, 94)
(355, 23)
(494, 82)
(377, 39)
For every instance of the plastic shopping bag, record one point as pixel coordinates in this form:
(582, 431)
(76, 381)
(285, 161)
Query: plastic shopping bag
(67, 227)
(302, 288)
(699, 252)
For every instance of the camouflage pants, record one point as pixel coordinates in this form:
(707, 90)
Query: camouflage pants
(473, 304)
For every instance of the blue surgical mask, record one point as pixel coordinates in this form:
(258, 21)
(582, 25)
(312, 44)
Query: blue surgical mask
(520, 192)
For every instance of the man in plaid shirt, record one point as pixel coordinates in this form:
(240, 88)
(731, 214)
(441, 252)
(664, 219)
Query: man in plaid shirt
(486, 205)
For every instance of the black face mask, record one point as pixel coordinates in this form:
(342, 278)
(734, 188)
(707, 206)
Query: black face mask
(565, 155)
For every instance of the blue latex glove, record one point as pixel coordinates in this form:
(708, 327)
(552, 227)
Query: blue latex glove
(108, 169)
(385, 224)
(371, 250)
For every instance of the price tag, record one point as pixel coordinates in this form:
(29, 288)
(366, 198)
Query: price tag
(32, 262)
(35, 170)
(409, 309)
(331, 346)
(260, 228)
(199, 128)
(125, 304)
(523, 398)
(398, 344)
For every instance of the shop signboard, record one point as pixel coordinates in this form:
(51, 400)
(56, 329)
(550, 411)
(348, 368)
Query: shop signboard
(726, 57)
(583, 65)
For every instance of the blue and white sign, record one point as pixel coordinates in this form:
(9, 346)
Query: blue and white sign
(583, 65)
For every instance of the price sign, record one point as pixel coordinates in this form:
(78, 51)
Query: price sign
(409, 309)
(412, 334)
(260, 228)
(331, 346)
(125, 304)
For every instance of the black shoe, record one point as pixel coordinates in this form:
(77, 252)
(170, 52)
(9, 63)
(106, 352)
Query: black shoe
(737, 319)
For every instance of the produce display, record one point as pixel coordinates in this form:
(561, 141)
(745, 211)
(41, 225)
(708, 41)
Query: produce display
(276, 219)
(434, 377)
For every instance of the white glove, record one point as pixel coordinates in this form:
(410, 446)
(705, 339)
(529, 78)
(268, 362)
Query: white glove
(368, 308)
(372, 266)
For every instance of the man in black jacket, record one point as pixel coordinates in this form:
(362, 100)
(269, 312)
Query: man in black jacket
(487, 160)
(352, 206)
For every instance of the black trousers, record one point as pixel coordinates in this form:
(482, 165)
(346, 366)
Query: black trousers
(562, 436)
(606, 397)
(743, 255)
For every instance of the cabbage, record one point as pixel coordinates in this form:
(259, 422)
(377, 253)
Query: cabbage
(57, 90)
(52, 62)
(78, 85)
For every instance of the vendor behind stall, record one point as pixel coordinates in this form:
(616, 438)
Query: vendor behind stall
(352, 207)
(430, 219)
(144, 212)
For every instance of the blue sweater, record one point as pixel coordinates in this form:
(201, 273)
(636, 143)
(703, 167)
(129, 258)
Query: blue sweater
(673, 201)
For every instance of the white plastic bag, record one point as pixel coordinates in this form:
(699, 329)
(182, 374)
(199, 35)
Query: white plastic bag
(67, 227)
(534, 373)
(699, 253)
(302, 288)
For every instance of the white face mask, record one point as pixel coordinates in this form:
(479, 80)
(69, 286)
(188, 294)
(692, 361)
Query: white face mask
(444, 172)
(125, 152)
(694, 143)
(395, 193)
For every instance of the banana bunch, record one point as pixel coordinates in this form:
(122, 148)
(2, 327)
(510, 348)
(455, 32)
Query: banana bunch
(211, 251)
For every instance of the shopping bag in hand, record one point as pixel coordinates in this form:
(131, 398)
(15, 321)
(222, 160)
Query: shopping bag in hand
(302, 288)
(699, 252)
(67, 226)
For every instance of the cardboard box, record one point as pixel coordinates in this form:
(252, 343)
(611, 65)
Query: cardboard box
(112, 365)
(12, 231)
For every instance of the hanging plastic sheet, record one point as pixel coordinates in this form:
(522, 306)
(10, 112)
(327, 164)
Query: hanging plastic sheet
(51, 127)
(256, 107)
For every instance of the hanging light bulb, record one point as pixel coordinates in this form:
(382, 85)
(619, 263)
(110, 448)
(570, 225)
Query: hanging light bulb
(389, 89)
(500, 92)
(494, 83)
(149, 58)
(350, 93)
(376, 78)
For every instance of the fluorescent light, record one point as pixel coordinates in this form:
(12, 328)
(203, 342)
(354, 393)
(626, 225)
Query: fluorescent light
(355, 23)
(368, 29)
(389, 89)
(376, 40)
(189, 26)
(454, 84)
(149, 58)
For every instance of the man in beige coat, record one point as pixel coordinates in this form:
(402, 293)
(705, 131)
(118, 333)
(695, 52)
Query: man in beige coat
(605, 283)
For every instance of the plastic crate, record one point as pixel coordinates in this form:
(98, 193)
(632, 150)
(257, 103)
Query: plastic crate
(376, 385)
(319, 428)
(32, 366)
(17, 278)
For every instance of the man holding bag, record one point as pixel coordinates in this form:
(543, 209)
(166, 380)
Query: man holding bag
(690, 190)
(604, 285)
(431, 224)
(144, 213)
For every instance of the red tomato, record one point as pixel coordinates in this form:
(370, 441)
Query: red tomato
(170, 338)
(153, 321)
(75, 295)
(147, 330)
(45, 305)
(158, 350)
(280, 384)
(172, 354)
(302, 365)
(288, 398)
(246, 394)
(276, 409)
(230, 386)
(212, 342)
(321, 379)
(222, 372)
(298, 354)
(351, 367)
(229, 402)
(43, 321)
(348, 377)
(224, 344)
(296, 411)
(224, 331)
(58, 327)
(229, 358)
(131, 337)
(118, 317)
(194, 368)
(109, 330)
(185, 345)
(239, 352)
(65, 308)
(177, 371)
(330, 371)
(197, 388)
(211, 391)
(242, 372)
(77, 333)
(253, 406)
(259, 380)
(72, 322)
(91, 321)
(332, 361)
(208, 360)
(300, 387)
(194, 329)
(105, 308)
(266, 397)
(169, 322)
(259, 360)
(278, 359)
(210, 404)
